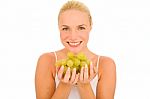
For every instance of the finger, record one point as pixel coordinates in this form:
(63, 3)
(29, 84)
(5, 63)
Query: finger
(86, 75)
(57, 68)
(76, 79)
(91, 69)
(67, 75)
(73, 75)
(60, 72)
(81, 74)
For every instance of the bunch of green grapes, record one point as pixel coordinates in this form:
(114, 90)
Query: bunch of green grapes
(74, 61)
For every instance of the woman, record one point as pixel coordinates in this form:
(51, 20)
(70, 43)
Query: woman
(98, 82)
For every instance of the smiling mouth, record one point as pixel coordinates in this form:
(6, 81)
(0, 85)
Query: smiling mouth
(74, 44)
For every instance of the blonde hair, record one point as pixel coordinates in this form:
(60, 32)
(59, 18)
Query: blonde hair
(75, 5)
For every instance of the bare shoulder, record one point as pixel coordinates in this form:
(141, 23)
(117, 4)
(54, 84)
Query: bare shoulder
(107, 66)
(107, 63)
(46, 62)
(46, 56)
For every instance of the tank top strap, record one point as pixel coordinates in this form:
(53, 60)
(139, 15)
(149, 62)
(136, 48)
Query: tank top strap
(55, 56)
(56, 78)
(98, 61)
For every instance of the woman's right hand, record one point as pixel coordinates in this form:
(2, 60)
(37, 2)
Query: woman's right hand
(68, 78)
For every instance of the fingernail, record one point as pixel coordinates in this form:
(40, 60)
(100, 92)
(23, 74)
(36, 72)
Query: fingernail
(82, 68)
(68, 68)
(74, 69)
(91, 63)
(86, 66)
(62, 67)
(78, 74)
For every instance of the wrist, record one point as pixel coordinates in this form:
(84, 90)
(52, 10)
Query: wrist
(83, 85)
(65, 85)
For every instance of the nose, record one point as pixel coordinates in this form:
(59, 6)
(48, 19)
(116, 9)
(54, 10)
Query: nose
(73, 35)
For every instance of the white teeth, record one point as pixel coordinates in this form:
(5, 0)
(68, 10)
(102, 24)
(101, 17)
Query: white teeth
(74, 43)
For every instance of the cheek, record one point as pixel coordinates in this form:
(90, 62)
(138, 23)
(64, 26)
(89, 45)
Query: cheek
(85, 36)
(63, 36)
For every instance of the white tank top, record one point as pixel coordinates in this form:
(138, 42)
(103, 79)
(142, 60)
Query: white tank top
(74, 92)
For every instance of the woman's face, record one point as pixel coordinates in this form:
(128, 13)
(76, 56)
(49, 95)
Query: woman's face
(74, 26)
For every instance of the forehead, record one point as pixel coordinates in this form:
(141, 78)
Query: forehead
(73, 17)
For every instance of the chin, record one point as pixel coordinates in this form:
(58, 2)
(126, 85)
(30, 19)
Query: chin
(74, 50)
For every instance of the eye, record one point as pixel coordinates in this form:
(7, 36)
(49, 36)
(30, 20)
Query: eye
(81, 28)
(65, 29)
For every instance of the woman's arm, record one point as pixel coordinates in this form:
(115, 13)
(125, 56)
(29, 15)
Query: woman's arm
(62, 91)
(66, 82)
(86, 91)
(84, 86)
(45, 80)
(44, 77)
(107, 82)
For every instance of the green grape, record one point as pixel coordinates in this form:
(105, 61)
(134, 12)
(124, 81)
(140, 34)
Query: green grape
(69, 63)
(81, 56)
(83, 63)
(70, 55)
(63, 62)
(76, 62)
(78, 69)
(65, 69)
(71, 68)
(58, 63)
(73, 61)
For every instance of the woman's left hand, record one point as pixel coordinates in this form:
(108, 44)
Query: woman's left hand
(86, 75)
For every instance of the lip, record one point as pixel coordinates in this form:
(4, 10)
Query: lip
(74, 44)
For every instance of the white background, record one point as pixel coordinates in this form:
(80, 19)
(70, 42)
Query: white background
(121, 30)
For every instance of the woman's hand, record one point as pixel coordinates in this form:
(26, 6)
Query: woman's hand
(86, 75)
(69, 78)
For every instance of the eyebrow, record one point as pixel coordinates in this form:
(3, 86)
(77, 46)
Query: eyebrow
(82, 25)
(64, 26)
(78, 25)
